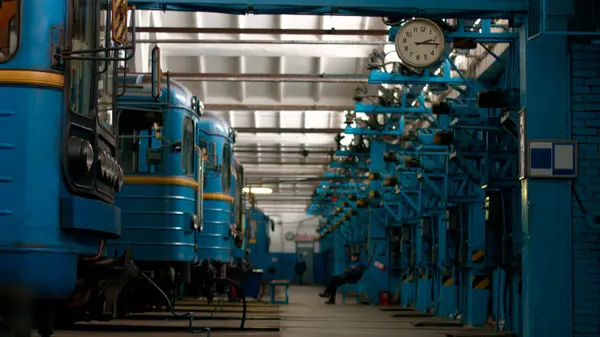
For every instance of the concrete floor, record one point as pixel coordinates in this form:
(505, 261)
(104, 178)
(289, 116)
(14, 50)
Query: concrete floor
(306, 316)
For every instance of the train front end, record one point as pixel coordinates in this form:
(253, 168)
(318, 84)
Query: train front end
(215, 139)
(162, 195)
(56, 197)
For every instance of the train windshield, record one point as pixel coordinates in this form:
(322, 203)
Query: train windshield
(239, 198)
(226, 168)
(9, 28)
(83, 73)
(140, 147)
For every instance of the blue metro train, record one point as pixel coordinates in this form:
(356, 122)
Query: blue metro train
(181, 202)
(71, 243)
(58, 167)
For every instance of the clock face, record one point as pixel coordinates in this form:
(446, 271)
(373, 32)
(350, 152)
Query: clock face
(420, 43)
(290, 236)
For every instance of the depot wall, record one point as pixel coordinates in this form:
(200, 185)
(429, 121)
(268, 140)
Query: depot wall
(585, 103)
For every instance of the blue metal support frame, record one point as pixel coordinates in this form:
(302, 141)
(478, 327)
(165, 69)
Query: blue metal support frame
(406, 8)
(546, 203)
(543, 27)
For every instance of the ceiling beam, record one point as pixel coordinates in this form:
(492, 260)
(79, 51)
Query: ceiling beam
(262, 48)
(261, 31)
(275, 107)
(283, 147)
(287, 130)
(296, 78)
(300, 152)
(265, 42)
(285, 163)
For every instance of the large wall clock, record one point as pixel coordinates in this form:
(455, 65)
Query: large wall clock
(420, 43)
(290, 236)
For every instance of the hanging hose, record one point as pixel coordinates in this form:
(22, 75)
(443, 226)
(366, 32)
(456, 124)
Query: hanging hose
(188, 315)
(98, 254)
(240, 294)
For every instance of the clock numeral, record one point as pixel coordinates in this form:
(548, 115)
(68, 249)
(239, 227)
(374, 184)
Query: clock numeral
(416, 29)
(418, 57)
(408, 34)
(406, 48)
(404, 40)
(410, 54)
(423, 28)
(432, 53)
(435, 38)
(425, 56)
(430, 32)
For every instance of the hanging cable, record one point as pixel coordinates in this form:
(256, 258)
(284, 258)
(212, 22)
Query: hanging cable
(97, 256)
(188, 315)
(240, 294)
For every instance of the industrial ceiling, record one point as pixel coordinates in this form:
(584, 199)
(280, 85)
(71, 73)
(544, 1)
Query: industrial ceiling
(283, 82)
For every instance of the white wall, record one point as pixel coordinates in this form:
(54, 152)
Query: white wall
(291, 222)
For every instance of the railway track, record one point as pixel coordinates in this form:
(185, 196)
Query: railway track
(222, 318)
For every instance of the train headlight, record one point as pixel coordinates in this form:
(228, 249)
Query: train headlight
(120, 179)
(81, 154)
(194, 222)
(112, 170)
(103, 164)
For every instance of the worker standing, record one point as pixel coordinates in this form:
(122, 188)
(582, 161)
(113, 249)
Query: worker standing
(300, 268)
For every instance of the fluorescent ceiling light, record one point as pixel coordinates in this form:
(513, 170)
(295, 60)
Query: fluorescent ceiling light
(258, 190)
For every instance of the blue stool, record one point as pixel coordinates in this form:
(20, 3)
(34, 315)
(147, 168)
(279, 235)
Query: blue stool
(357, 288)
(283, 283)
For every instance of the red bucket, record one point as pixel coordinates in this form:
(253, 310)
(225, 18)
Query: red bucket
(384, 298)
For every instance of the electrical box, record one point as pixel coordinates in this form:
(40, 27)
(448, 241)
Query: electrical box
(552, 159)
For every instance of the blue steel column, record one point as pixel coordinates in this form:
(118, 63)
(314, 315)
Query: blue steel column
(378, 240)
(546, 203)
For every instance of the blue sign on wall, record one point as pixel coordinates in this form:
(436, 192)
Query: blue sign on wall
(552, 159)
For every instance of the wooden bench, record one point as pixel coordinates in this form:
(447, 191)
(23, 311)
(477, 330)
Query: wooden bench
(283, 283)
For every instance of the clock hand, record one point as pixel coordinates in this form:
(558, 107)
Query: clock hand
(423, 42)
(429, 44)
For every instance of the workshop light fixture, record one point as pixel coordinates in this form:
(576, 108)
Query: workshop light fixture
(257, 190)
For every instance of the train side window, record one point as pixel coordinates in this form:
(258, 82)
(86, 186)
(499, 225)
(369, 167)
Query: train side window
(188, 147)
(226, 168)
(140, 151)
(83, 75)
(10, 11)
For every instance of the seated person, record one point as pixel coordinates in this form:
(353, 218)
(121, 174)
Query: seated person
(352, 274)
